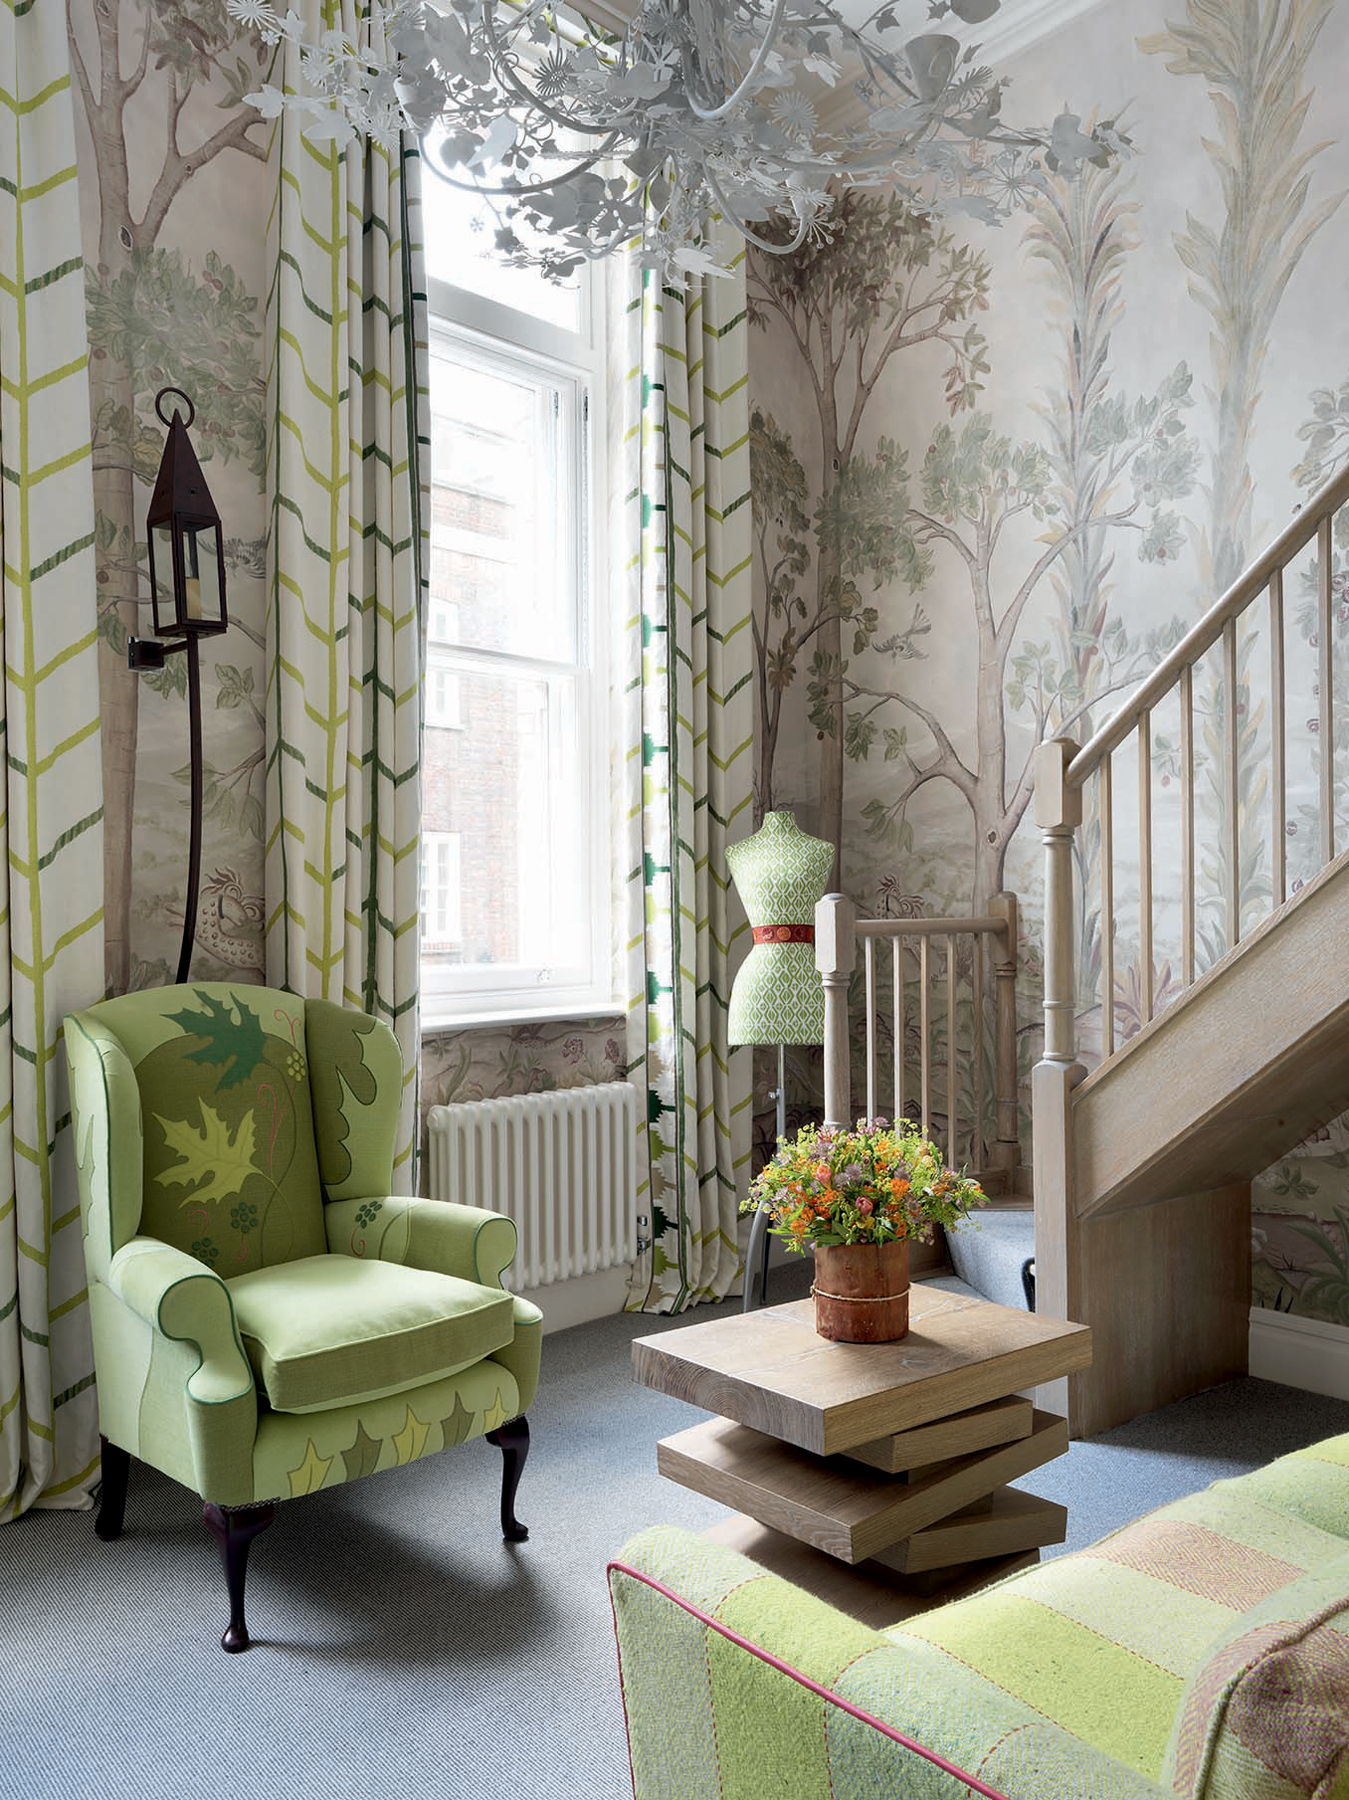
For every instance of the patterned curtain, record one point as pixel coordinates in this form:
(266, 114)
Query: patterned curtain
(51, 835)
(348, 467)
(689, 733)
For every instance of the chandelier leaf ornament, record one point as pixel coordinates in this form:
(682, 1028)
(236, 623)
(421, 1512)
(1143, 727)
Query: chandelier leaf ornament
(592, 137)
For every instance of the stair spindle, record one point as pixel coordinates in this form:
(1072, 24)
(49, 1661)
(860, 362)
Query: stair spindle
(869, 963)
(1187, 824)
(1231, 772)
(1325, 626)
(1145, 867)
(1277, 735)
(925, 1030)
(951, 1048)
(1107, 910)
(977, 1134)
(897, 978)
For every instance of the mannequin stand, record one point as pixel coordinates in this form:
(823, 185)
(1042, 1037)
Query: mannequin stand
(756, 1256)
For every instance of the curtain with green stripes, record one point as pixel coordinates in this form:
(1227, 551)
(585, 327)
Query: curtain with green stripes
(348, 467)
(689, 729)
(51, 839)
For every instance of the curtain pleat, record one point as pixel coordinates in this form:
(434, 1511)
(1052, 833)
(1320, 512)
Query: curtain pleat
(684, 449)
(51, 838)
(348, 473)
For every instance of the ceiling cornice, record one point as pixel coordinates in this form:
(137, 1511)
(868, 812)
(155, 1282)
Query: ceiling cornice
(1018, 26)
(1021, 23)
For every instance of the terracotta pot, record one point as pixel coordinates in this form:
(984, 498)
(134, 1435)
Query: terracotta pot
(862, 1292)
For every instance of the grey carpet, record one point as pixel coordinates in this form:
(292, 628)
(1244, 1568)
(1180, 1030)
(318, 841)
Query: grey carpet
(400, 1647)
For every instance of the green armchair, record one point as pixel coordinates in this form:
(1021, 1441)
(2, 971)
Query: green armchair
(267, 1319)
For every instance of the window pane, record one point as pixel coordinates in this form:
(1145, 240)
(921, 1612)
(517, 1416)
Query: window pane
(460, 249)
(508, 787)
(503, 567)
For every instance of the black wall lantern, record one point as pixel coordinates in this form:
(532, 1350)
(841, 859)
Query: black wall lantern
(187, 593)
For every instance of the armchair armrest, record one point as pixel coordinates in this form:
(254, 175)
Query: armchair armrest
(466, 1241)
(181, 1298)
(197, 1419)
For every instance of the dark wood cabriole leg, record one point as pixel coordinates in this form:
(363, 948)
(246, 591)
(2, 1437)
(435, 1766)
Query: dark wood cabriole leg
(512, 1439)
(234, 1528)
(112, 1493)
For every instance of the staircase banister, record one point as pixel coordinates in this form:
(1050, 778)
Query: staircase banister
(983, 925)
(1295, 536)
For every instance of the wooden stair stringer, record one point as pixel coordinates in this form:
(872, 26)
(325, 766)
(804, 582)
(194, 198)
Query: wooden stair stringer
(1245, 1065)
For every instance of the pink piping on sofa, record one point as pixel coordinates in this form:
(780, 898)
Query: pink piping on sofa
(948, 1768)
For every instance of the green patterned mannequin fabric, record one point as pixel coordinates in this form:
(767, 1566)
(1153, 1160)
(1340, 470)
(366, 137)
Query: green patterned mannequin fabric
(780, 873)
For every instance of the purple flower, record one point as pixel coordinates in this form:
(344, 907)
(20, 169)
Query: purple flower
(572, 1049)
(854, 1172)
(612, 1053)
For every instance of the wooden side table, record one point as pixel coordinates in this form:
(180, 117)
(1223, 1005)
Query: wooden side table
(891, 1459)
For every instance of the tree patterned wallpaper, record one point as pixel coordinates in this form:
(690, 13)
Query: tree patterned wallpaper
(996, 472)
(175, 199)
(999, 472)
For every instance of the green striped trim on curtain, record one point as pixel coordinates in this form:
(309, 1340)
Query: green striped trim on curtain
(689, 712)
(51, 941)
(348, 473)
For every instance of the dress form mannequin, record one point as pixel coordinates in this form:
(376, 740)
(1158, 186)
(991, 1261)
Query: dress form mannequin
(778, 998)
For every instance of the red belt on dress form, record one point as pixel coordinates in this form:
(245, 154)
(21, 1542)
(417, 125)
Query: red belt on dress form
(784, 934)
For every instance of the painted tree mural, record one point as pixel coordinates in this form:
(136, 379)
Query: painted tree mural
(890, 283)
(883, 282)
(175, 69)
(1254, 56)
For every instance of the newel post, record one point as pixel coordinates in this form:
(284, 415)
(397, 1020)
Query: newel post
(1005, 1151)
(835, 955)
(1058, 813)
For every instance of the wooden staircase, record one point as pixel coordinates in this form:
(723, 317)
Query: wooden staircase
(1142, 1167)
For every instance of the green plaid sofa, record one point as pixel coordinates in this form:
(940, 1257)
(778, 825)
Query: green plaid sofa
(1202, 1651)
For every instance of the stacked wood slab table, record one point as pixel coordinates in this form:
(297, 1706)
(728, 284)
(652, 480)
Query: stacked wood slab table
(892, 1459)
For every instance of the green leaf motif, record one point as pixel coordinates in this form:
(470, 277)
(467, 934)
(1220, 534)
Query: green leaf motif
(210, 1156)
(460, 1422)
(234, 1038)
(362, 1456)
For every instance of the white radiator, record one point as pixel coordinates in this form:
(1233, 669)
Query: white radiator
(562, 1165)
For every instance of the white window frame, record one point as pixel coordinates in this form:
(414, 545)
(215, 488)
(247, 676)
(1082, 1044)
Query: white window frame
(449, 841)
(461, 993)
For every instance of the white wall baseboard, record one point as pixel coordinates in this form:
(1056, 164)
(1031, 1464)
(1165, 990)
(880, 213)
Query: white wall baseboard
(584, 1298)
(1303, 1353)
(580, 1299)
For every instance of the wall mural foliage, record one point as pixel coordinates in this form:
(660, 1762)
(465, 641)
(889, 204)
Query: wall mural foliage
(998, 474)
(174, 207)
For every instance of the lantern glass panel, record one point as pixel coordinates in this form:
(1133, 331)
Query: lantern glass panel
(161, 577)
(203, 601)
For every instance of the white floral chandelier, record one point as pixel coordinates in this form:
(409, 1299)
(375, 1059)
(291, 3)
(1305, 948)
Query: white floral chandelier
(595, 138)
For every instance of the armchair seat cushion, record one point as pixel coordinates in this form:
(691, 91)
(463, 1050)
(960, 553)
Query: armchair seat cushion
(332, 1330)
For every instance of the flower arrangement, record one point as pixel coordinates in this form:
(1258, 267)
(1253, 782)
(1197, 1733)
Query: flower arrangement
(876, 1184)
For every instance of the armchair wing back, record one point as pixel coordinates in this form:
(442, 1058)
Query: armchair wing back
(225, 1165)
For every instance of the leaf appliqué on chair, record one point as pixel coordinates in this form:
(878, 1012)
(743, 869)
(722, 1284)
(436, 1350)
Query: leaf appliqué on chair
(408, 1442)
(210, 1156)
(363, 1456)
(460, 1422)
(232, 1044)
(310, 1474)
